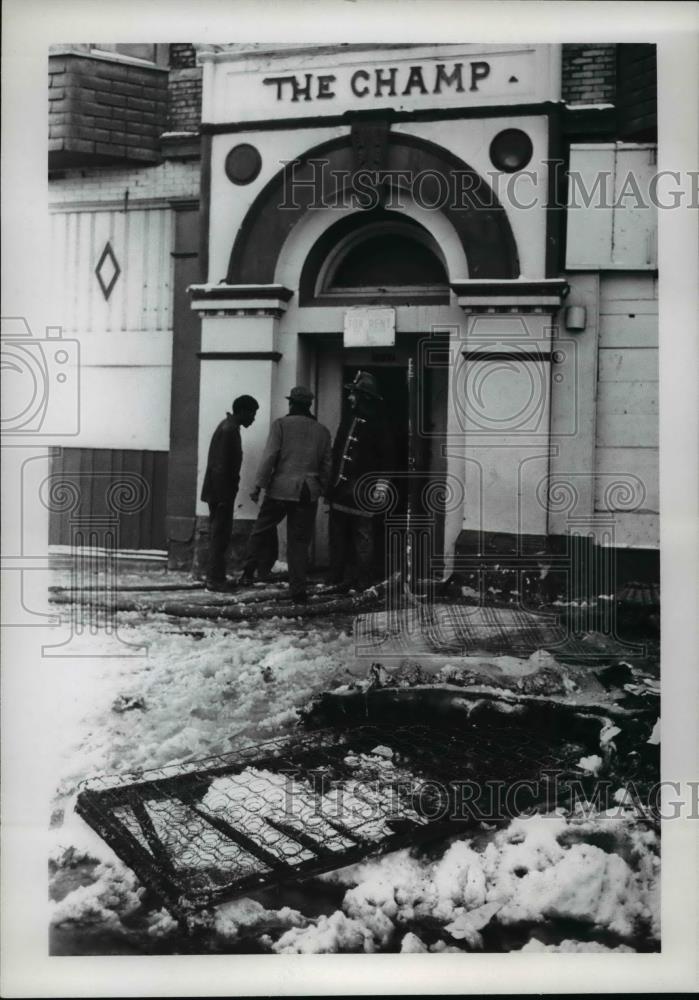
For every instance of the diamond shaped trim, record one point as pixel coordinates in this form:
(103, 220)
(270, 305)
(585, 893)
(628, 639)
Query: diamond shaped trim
(107, 270)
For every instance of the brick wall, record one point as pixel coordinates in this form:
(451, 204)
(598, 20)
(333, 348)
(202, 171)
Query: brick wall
(184, 100)
(168, 180)
(637, 102)
(184, 89)
(182, 55)
(104, 111)
(589, 74)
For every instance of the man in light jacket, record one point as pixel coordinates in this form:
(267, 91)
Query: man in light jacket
(295, 473)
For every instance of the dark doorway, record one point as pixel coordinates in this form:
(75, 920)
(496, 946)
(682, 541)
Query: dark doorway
(392, 381)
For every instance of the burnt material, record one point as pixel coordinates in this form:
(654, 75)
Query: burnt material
(200, 833)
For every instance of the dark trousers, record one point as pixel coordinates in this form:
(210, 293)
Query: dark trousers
(351, 548)
(220, 533)
(300, 518)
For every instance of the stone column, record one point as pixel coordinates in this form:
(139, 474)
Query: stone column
(502, 365)
(239, 356)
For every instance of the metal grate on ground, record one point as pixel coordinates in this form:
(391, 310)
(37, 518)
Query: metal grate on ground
(460, 630)
(208, 831)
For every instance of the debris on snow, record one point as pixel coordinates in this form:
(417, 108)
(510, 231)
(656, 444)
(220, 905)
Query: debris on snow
(234, 687)
(608, 732)
(467, 925)
(593, 763)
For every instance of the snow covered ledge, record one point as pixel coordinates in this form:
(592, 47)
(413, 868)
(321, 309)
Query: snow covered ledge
(240, 300)
(511, 294)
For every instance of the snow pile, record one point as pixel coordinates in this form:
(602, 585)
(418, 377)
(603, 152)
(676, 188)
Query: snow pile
(232, 920)
(192, 699)
(526, 874)
(327, 934)
(412, 944)
(114, 895)
(572, 946)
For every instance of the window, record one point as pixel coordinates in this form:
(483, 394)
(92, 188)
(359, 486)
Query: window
(388, 259)
(156, 55)
(382, 258)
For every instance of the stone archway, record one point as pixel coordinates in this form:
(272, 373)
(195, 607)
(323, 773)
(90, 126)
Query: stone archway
(326, 175)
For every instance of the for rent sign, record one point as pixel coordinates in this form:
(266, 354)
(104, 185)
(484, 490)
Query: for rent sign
(370, 327)
(334, 79)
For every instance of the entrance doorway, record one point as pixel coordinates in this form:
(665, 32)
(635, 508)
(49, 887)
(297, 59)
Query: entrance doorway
(392, 381)
(336, 367)
(393, 411)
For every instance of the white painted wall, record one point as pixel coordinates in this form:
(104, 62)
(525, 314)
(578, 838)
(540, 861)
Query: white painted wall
(626, 451)
(618, 228)
(523, 195)
(141, 298)
(125, 341)
(468, 140)
(231, 202)
(502, 416)
(604, 418)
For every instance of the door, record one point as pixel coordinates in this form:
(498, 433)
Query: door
(336, 367)
(392, 381)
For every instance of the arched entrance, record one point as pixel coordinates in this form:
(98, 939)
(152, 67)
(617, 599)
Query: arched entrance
(326, 177)
(377, 259)
(307, 253)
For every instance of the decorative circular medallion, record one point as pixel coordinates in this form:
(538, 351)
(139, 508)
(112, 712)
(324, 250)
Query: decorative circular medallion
(243, 163)
(511, 150)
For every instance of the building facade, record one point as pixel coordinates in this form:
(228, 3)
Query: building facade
(456, 219)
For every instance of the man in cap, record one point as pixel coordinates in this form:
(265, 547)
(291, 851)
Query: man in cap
(294, 472)
(220, 486)
(363, 451)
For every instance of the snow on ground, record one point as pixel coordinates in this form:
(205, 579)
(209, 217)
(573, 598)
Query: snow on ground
(528, 875)
(219, 689)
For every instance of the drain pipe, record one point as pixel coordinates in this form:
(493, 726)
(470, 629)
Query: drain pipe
(410, 569)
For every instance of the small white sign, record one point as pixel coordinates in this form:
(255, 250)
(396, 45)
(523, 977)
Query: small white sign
(368, 326)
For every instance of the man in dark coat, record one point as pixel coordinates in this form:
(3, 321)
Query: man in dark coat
(220, 486)
(294, 472)
(363, 446)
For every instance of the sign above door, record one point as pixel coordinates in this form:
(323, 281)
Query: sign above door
(370, 327)
(256, 83)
